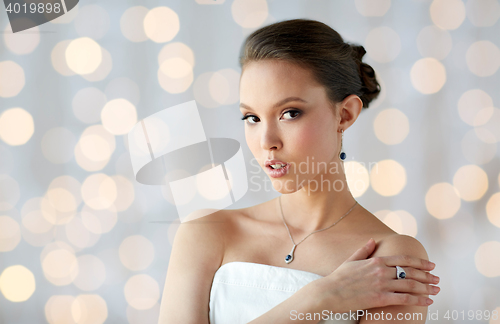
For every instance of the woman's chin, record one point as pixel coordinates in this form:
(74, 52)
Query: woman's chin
(283, 187)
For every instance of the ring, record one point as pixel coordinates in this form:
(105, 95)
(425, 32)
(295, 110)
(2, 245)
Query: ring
(400, 273)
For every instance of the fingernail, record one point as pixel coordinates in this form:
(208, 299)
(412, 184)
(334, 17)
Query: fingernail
(435, 289)
(429, 301)
(371, 239)
(432, 264)
(436, 279)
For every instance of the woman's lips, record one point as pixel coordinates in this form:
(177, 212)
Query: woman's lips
(276, 173)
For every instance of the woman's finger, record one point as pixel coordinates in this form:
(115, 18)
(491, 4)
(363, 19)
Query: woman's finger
(412, 286)
(419, 275)
(408, 261)
(406, 299)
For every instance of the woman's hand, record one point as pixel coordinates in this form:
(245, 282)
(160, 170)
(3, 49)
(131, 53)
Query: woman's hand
(361, 283)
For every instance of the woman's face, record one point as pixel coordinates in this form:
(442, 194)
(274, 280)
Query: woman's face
(291, 120)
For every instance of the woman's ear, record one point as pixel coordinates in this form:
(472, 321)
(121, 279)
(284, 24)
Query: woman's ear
(349, 110)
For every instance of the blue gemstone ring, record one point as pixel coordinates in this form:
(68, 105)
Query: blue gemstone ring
(400, 273)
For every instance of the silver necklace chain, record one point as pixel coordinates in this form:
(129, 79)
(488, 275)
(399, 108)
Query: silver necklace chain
(323, 229)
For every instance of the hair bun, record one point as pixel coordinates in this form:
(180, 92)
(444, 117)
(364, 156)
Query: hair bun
(371, 87)
(358, 52)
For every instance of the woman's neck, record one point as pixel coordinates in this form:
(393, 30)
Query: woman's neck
(311, 208)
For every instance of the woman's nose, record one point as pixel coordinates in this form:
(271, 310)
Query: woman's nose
(270, 139)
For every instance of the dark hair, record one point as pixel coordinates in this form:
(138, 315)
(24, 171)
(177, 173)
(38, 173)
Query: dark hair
(312, 44)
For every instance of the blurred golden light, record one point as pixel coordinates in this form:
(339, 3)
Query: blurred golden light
(176, 50)
(175, 67)
(32, 217)
(58, 309)
(10, 233)
(99, 191)
(61, 199)
(38, 239)
(219, 87)
(87, 164)
(102, 71)
(391, 126)
(487, 259)
(142, 291)
(489, 131)
(372, 8)
(175, 85)
(447, 14)
(89, 309)
(136, 252)
(249, 13)
(493, 209)
(161, 24)
(17, 283)
(224, 86)
(58, 58)
(442, 200)
(474, 106)
(99, 221)
(428, 75)
(125, 193)
(12, 79)
(483, 13)
(16, 125)
(60, 267)
(132, 23)
(119, 116)
(483, 58)
(201, 91)
(97, 144)
(78, 234)
(401, 222)
(23, 42)
(471, 182)
(435, 42)
(357, 178)
(388, 178)
(83, 55)
(383, 44)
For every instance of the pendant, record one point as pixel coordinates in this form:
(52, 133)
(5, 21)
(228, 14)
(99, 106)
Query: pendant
(289, 257)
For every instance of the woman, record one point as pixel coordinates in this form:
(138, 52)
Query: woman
(310, 250)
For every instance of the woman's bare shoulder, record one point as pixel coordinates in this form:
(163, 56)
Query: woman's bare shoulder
(400, 244)
(211, 229)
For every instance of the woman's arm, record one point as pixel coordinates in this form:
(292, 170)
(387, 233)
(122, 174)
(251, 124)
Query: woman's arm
(411, 314)
(356, 285)
(197, 253)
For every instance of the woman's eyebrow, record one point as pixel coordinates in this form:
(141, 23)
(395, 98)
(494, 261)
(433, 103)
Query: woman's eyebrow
(279, 103)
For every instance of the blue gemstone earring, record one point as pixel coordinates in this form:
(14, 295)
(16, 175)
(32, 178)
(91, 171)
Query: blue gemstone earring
(342, 154)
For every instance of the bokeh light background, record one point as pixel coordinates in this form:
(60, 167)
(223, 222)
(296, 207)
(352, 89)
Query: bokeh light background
(82, 242)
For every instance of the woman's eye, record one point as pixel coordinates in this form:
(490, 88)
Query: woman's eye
(296, 112)
(249, 118)
(293, 114)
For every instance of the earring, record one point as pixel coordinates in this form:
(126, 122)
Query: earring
(342, 154)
